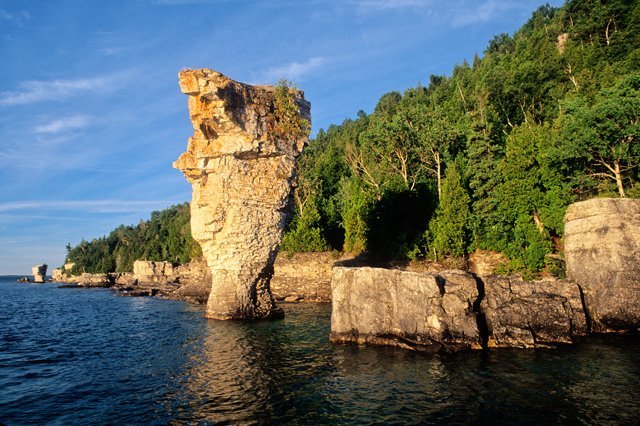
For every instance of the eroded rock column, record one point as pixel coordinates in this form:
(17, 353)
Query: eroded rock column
(241, 162)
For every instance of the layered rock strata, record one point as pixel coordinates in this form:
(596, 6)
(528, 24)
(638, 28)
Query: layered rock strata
(434, 311)
(452, 310)
(602, 252)
(303, 277)
(242, 166)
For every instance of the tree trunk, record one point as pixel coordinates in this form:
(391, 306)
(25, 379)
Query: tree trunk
(619, 180)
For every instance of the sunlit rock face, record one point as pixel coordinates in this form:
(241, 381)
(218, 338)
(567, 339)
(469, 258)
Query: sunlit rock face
(242, 173)
(602, 251)
(39, 273)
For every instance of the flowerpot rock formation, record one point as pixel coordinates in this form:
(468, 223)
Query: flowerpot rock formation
(241, 162)
(39, 273)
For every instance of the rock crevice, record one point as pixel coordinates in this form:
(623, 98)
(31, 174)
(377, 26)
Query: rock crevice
(601, 294)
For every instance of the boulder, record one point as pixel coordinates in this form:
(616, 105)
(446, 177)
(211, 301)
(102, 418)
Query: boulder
(602, 253)
(58, 275)
(412, 310)
(531, 314)
(154, 272)
(303, 276)
(486, 262)
(94, 280)
(452, 310)
(241, 165)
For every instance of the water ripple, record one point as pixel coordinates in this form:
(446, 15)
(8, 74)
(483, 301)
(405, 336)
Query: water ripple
(72, 356)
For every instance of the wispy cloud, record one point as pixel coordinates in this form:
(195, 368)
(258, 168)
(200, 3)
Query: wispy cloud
(65, 124)
(38, 90)
(18, 17)
(390, 4)
(181, 2)
(90, 206)
(482, 13)
(294, 70)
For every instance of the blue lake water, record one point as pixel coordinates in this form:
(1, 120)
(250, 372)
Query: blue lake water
(85, 356)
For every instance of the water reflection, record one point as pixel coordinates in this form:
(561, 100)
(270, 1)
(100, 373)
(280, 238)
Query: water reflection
(239, 372)
(86, 357)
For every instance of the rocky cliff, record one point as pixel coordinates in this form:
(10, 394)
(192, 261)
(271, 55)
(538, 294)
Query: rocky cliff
(303, 277)
(241, 164)
(602, 252)
(452, 310)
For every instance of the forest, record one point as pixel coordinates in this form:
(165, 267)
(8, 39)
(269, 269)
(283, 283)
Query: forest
(487, 158)
(166, 236)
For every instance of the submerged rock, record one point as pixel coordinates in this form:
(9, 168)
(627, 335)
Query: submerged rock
(242, 172)
(602, 252)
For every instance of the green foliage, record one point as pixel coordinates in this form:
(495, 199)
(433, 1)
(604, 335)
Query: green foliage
(601, 137)
(165, 237)
(305, 234)
(486, 158)
(356, 209)
(523, 131)
(449, 228)
(287, 124)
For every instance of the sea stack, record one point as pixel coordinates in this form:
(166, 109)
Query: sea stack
(39, 272)
(241, 162)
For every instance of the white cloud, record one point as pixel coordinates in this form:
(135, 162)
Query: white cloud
(64, 124)
(91, 206)
(294, 70)
(37, 90)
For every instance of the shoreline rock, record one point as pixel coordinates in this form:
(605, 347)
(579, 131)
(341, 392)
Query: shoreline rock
(452, 310)
(241, 162)
(434, 310)
(602, 250)
(305, 277)
(39, 273)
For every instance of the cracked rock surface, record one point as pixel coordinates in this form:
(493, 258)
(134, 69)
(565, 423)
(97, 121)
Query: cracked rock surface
(453, 310)
(602, 251)
(242, 177)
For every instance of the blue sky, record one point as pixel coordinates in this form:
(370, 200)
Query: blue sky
(91, 116)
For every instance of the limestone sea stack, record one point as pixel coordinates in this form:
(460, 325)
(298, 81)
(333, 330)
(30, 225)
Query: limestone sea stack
(39, 273)
(241, 162)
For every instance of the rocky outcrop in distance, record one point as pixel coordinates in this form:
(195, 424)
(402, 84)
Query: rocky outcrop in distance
(299, 277)
(242, 172)
(39, 273)
(454, 310)
(190, 282)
